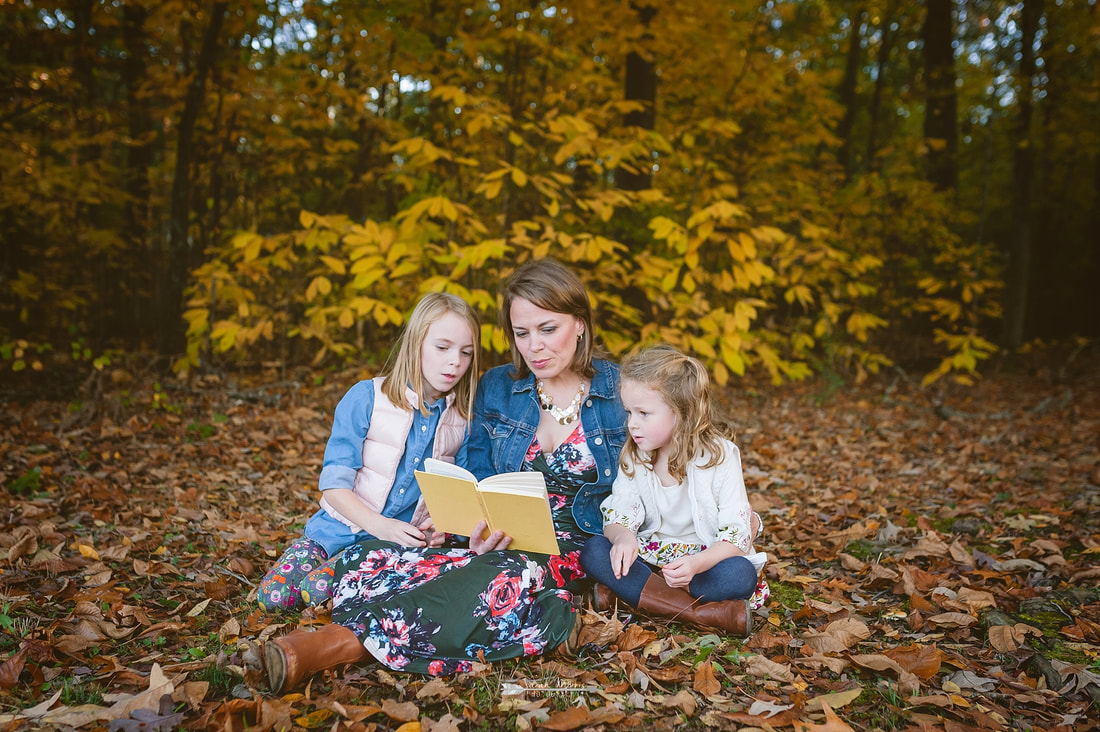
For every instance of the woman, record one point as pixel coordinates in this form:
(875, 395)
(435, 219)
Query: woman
(555, 409)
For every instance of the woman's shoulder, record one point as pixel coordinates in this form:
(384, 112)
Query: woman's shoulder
(606, 381)
(498, 374)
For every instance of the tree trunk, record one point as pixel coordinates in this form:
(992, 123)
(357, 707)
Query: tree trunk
(848, 92)
(1019, 255)
(178, 246)
(139, 160)
(941, 133)
(881, 61)
(640, 85)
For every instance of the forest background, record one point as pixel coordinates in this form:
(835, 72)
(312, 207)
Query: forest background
(783, 186)
(895, 197)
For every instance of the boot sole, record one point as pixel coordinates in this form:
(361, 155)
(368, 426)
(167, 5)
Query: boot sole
(275, 660)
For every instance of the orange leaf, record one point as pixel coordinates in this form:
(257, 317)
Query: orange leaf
(923, 661)
(571, 718)
(705, 682)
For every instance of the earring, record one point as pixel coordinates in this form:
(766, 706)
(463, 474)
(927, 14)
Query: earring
(580, 336)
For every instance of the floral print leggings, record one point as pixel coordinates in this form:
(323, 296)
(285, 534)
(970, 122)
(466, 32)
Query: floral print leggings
(302, 577)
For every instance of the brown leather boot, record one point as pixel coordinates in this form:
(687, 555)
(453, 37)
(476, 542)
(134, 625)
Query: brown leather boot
(294, 657)
(602, 597)
(730, 617)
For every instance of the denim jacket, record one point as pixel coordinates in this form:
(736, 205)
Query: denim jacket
(506, 415)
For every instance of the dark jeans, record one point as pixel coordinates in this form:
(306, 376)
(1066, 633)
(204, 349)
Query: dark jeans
(733, 578)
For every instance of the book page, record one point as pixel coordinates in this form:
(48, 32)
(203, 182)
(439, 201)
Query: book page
(440, 467)
(530, 482)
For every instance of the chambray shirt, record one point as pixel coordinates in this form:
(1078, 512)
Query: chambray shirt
(506, 415)
(344, 457)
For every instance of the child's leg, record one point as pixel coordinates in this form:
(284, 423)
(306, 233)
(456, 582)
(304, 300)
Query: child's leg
(281, 588)
(596, 561)
(730, 579)
(317, 586)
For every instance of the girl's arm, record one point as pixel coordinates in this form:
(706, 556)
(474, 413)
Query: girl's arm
(680, 572)
(352, 508)
(624, 548)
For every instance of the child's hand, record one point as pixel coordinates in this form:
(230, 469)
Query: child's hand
(432, 538)
(399, 532)
(679, 572)
(623, 553)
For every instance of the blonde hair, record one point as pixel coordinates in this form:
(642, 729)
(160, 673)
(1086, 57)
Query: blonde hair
(404, 367)
(683, 382)
(550, 285)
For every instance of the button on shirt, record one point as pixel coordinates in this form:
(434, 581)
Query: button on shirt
(344, 457)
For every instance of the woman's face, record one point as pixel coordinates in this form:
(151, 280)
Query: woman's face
(546, 340)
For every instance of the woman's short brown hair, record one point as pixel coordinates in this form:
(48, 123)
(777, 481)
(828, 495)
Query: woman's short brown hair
(550, 285)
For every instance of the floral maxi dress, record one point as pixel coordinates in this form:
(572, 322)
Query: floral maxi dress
(435, 611)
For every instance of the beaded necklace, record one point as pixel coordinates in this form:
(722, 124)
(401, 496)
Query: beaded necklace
(563, 416)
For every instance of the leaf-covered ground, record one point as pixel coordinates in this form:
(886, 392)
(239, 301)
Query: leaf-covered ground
(933, 565)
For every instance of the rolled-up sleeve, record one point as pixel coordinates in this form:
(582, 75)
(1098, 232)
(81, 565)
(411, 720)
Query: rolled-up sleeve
(344, 450)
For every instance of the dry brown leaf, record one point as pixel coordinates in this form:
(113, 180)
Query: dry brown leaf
(435, 689)
(922, 661)
(705, 682)
(850, 563)
(571, 718)
(12, 668)
(25, 546)
(837, 636)
(401, 711)
(159, 685)
(684, 701)
(960, 620)
(447, 723)
(762, 667)
(635, 636)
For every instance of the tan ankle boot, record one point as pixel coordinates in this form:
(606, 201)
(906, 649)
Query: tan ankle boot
(730, 617)
(294, 657)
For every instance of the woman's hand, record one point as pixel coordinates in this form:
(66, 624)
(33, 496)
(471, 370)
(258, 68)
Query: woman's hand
(679, 572)
(624, 550)
(491, 543)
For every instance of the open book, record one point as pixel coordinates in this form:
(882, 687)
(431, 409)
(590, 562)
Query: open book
(515, 503)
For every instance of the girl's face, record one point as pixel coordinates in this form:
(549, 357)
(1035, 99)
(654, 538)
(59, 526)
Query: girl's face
(649, 419)
(546, 340)
(445, 355)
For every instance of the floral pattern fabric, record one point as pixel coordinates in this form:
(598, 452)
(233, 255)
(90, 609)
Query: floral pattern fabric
(436, 611)
(301, 577)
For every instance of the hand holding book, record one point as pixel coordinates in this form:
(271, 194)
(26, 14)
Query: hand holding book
(516, 504)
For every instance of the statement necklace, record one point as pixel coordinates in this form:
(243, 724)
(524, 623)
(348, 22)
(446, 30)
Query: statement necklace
(563, 416)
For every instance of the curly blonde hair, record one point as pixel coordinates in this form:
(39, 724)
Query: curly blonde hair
(683, 382)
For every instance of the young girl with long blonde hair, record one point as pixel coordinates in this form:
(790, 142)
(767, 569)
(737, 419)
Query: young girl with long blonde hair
(382, 430)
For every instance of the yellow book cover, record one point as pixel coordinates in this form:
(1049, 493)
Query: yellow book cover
(515, 503)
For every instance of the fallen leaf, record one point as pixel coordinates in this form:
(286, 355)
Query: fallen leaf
(571, 718)
(12, 668)
(705, 682)
(837, 636)
(833, 723)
